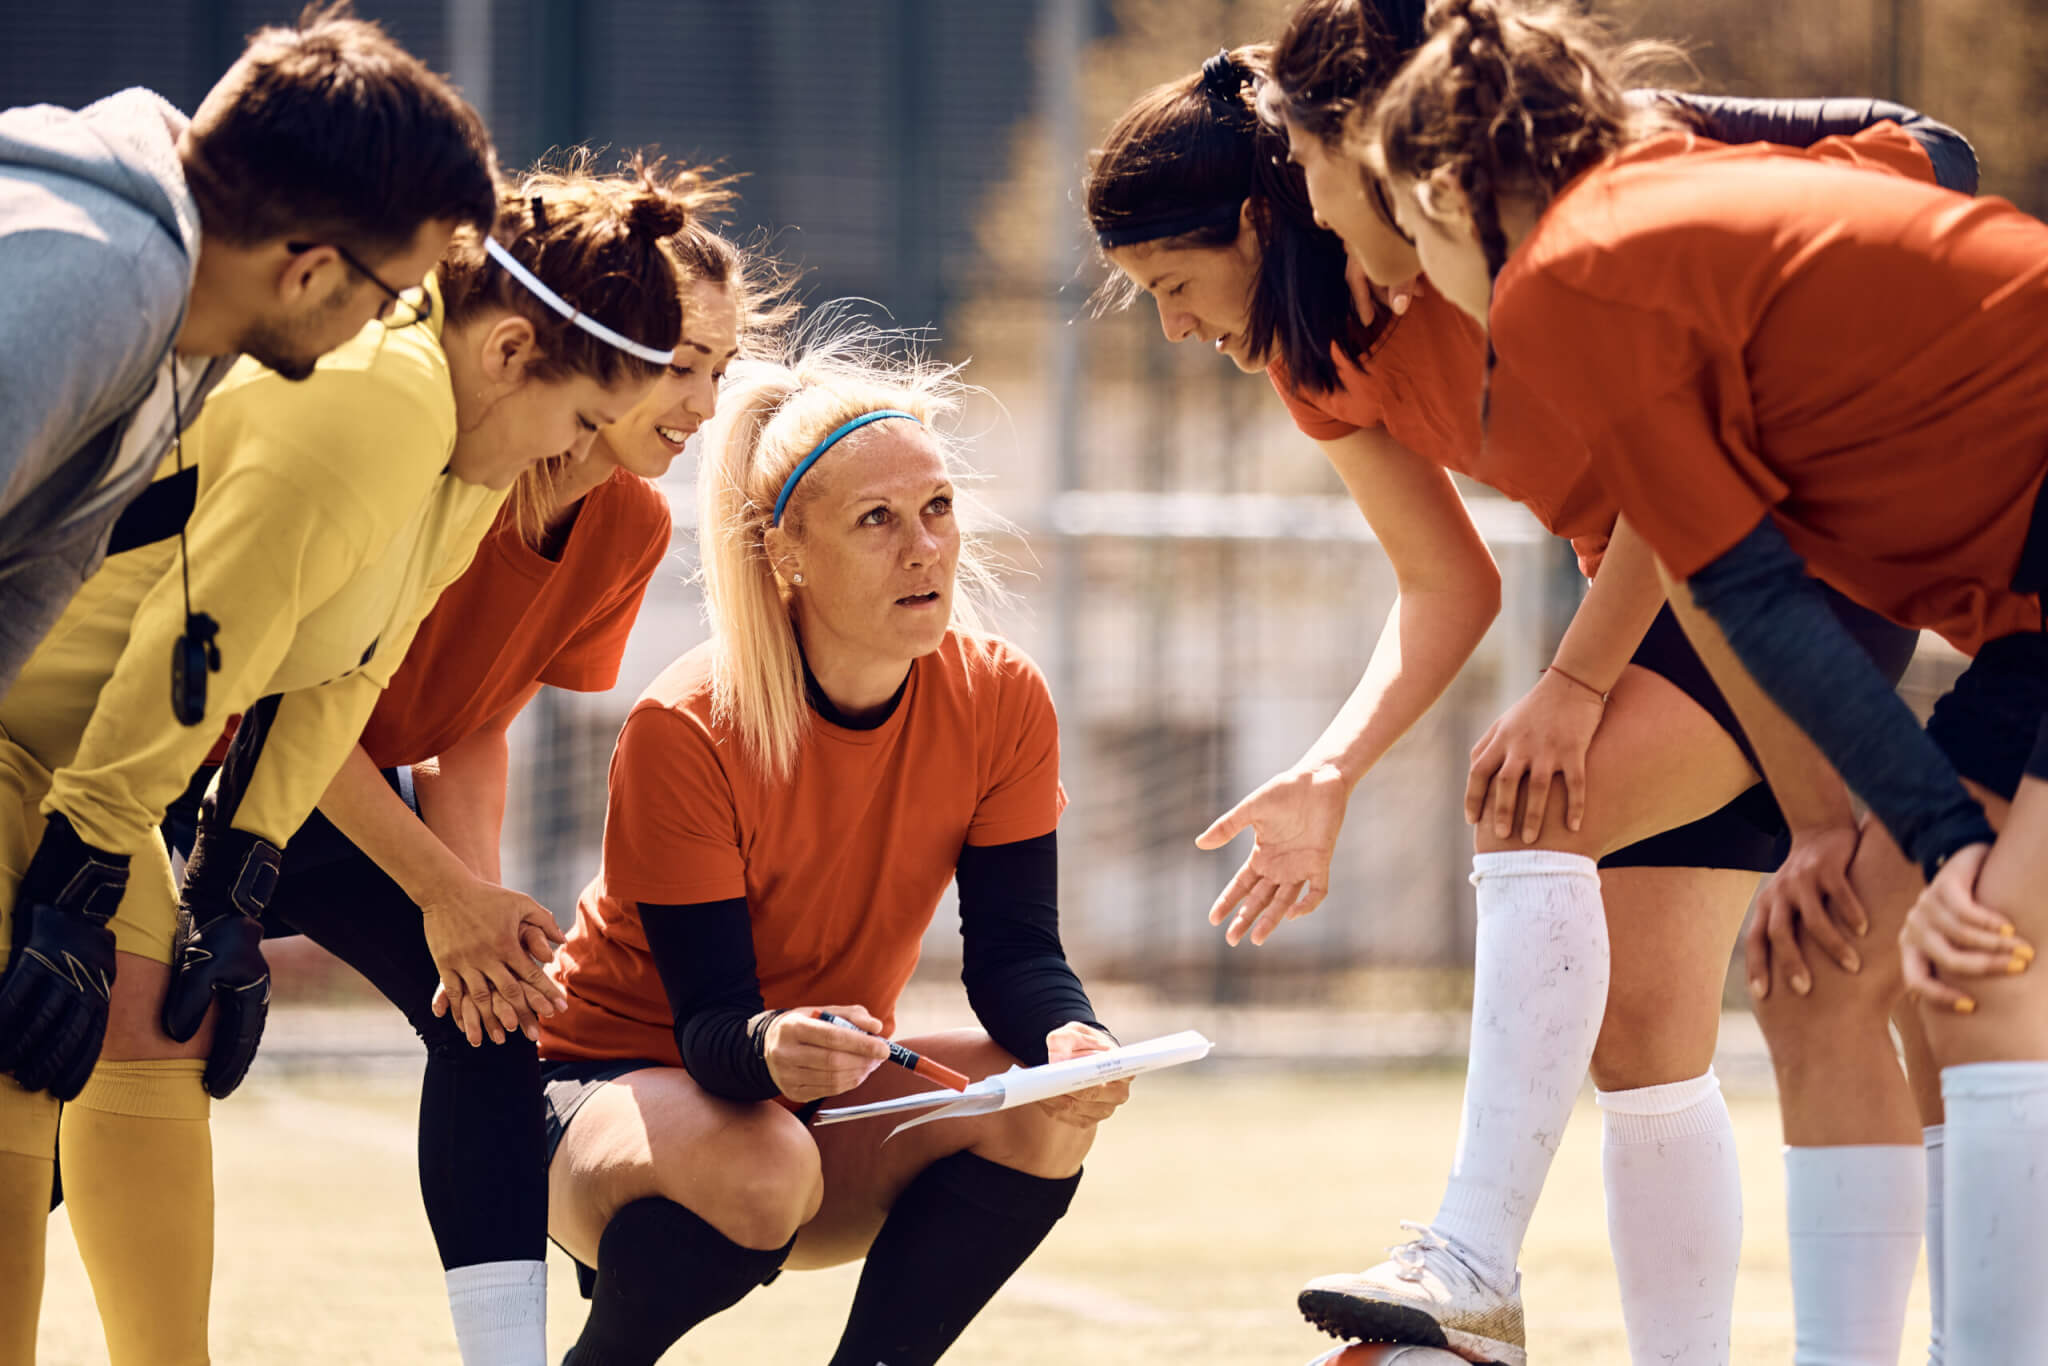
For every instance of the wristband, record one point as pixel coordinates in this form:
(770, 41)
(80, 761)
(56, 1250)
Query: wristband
(1579, 682)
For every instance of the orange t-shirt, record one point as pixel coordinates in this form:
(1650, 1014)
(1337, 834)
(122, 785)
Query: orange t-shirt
(1422, 383)
(1734, 331)
(842, 867)
(516, 618)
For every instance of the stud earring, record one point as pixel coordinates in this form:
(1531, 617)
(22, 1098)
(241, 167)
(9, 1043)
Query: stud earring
(796, 579)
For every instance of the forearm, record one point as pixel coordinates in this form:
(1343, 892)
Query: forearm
(1624, 599)
(258, 564)
(1801, 123)
(1780, 629)
(1019, 983)
(377, 821)
(462, 799)
(1427, 638)
(704, 954)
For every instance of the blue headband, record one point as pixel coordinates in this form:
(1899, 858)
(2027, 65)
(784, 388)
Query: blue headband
(789, 484)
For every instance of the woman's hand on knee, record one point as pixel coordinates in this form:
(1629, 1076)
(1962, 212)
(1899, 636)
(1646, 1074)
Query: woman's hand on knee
(1542, 738)
(1950, 935)
(489, 943)
(811, 1060)
(1083, 1109)
(1809, 894)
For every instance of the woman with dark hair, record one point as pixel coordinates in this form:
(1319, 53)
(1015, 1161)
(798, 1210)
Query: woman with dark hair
(1644, 867)
(1789, 376)
(322, 520)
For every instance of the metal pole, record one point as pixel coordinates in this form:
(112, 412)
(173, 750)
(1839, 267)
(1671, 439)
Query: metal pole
(1060, 115)
(469, 49)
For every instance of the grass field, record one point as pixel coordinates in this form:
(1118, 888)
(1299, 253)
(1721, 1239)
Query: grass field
(1208, 1200)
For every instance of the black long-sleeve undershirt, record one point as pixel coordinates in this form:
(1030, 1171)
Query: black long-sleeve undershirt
(1798, 651)
(1801, 123)
(1019, 983)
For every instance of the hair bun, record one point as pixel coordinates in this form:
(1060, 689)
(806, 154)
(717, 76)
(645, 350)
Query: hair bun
(1224, 77)
(656, 213)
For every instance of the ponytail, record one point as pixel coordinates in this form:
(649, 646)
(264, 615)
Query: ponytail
(1508, 100)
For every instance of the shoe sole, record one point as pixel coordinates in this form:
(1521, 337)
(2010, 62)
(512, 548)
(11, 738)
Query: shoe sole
(1355, 1320)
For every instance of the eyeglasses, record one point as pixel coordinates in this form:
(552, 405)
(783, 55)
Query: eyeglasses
(405, 308)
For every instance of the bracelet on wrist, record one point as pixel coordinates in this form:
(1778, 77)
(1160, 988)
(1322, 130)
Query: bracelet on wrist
(1577, 682)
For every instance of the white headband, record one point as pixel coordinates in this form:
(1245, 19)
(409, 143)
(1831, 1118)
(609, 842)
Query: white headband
(561, 306)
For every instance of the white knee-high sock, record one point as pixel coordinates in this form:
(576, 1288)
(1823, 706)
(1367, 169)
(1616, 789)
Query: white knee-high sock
(1854, 1216)
(1931, 1139)
(1995, 1181)
(1674, 1217)
(1538, 993)
(501, 1313)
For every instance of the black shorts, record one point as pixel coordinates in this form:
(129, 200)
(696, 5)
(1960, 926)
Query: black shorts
(1993, 724)
(565, 1084)
(1749, 833)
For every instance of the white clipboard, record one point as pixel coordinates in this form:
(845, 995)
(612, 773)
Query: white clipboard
(1028, 1085)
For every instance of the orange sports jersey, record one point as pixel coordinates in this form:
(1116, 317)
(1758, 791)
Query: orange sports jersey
(842, 866)
(1734, 331)
(516, 618)
(1421, 383)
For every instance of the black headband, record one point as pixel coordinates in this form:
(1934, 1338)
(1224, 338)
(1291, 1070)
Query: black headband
(1156, 226)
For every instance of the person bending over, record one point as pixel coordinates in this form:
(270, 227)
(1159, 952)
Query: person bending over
(140, 252)
(1788, 372)
(325, 519)
(398, 873)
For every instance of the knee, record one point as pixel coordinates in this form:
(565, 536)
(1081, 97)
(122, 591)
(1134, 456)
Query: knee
(1033, 1141)
(760, 1202)
(1840, 1004)
(1645, 1042)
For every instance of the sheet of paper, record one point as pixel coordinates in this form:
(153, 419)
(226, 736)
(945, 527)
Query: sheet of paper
(1028, 1085)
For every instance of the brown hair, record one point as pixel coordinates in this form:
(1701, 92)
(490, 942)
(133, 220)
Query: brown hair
(596, 240)
(1335, 58)
(1508, 99)
(1176, 170)
(760, 295)
(331, 131)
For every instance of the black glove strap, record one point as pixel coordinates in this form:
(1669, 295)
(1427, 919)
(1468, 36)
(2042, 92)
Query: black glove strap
(233, 867)
(72, 875)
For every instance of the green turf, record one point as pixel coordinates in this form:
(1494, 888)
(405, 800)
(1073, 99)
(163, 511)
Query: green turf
(1207, 1202)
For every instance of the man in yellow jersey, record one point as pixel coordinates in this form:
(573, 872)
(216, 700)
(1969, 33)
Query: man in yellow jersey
(328, 517)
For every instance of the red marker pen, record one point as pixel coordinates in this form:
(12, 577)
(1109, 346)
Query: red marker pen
(903, 1057)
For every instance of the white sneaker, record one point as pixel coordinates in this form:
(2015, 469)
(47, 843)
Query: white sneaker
(1426, 1294)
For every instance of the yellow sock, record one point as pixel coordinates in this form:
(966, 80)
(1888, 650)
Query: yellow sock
(28, 1152)
(138, 1178)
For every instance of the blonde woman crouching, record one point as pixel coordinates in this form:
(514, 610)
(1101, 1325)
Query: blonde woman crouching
(787, 803)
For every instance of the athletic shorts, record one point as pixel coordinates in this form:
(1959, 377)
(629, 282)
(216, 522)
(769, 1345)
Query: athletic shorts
(1990, 723)
(1750, 832)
